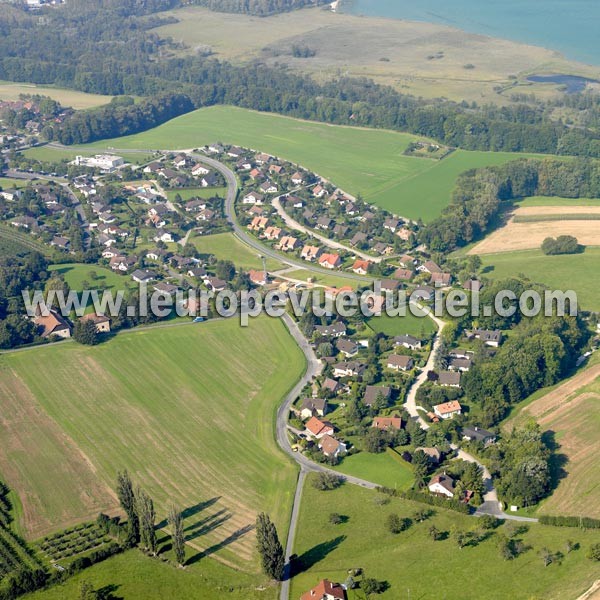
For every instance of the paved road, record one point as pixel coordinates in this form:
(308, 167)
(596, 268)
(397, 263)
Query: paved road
(293, 224)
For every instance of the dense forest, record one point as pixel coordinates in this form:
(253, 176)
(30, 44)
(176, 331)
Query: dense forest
(480, 195)
(108, 47)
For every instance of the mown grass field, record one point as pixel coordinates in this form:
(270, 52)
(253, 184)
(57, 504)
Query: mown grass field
(133, 575)
(188, 193)
(412, 563)
(570, 413)
(188, 410)
(378, 468)
(566, 272)
(225, 246)
(410, 324)
(79, 100)
(536, 201)
(76, 274)
(362, 161)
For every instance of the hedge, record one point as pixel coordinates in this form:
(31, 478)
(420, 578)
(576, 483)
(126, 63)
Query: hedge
(582, 522)
(415, 496)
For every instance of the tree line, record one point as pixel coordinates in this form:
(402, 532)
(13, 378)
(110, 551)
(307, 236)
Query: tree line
(480, 196)
(260, 8)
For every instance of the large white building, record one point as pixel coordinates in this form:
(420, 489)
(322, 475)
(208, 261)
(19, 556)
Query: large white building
(104, 162)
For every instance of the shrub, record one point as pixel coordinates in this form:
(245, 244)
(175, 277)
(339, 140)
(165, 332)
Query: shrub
(563, 244)
(395, 524)
(594, 552)
(335, 518)
(327, 481)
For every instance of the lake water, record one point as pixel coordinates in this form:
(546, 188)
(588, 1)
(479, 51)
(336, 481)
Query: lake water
(569, 26)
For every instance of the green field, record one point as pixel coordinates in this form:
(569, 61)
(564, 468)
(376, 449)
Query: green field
(76, 274)
(186, 194)
(188, 410)
(417, 567)
(378, 468)
(567, 272)
(225, 246)
(79, 100)
(7, 183)
(135, 576)
(409, 324)
(557, 201)
(362, 161)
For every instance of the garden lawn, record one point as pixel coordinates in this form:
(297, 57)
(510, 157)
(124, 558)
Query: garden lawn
(189, 410)
(566, 272)
(225, 246)
(369, 162)
(382, 469)
(412, 561)
(188, 193)
(76, 274)
(409, 324)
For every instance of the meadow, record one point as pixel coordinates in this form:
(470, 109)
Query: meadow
(409, 324)
(566, 272)
(368, 162)
(78, 100)
(188, 410)
(134, 575)
(188, 193)
(415, 566)
(225, 246)
(382, 469)
(418, 58)
(98, 277)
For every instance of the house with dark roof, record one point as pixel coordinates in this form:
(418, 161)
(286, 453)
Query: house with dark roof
(336, 329)
(399, 362)
(331, 385)
(374, 392)
(477, 434)
(449, 379)
(408, 341)
(442, 485)
(347, 347)
(488, 337)
(349, 369)
(313, 407)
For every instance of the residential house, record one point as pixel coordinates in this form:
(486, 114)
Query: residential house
(398, 362)
(407, 261)
(476, 434)
(209, 180)
(324, 223)
(449, 379)
(288, 243)
(272, 233)
(313, 407)
(310, 253)
(181, 161)
(433, 453)
(317, 428)
(235, 152)
(358, 238)
(429, 267)
(256, 174)
(276, 170)
(215, 149)
(389, 285)
(102, 322)
(335, 330)
(442, 485)
(472, 285)
(331, 385)
(153, 167)
(387, 423)
(441, 279)
(206, 215)
(490, 338)
(243, 165)
(403, 274)
(330, 261)
(404, 234)
(258, 223)
(408, 341)
(61, 242)
(383, 249)
(262, 159)
(53, 324)
(197, 272)
(459, 364)
(166, 288)
(143, 275)
(24, 222)
(391, 224)
(215, 284)
(340, 231)
(166, 236)
(361, 267)
(199, 169)
(258, 277)
(349, 369)
(332, 447)
(297, 178)
(268, 187)
(374, 392)
(319, 191)
(347, 347)
(195, 205)
(447, 410)
(325, 590)
(253, 198)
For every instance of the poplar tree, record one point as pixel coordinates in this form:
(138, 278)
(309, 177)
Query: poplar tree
(176, 524)
(269, 547)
